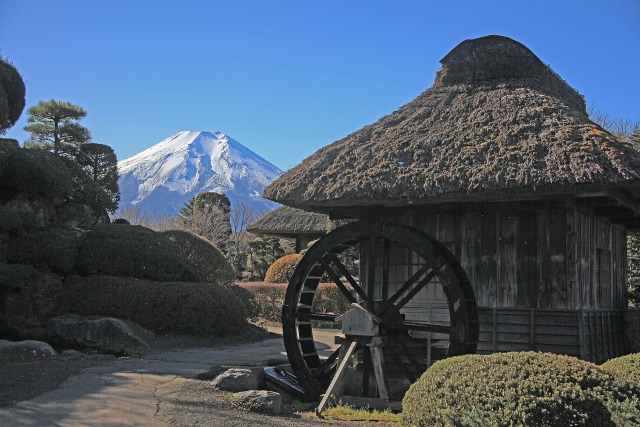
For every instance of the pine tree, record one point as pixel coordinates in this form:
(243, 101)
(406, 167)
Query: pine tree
(209, 215)
(100, 163)
(55, 127)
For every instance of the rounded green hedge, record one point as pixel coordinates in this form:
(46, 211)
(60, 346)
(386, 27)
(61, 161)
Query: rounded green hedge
(527, 388)
(34, 172)
(178, 307)
(624, 367)
(282, 269)
(210, 264)
(132, 251)
(55, 249)
(12, 95)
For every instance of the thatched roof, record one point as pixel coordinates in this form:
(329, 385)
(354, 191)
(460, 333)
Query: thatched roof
(497, 124)
(286, 221)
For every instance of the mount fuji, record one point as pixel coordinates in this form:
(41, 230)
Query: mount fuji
(162, 178)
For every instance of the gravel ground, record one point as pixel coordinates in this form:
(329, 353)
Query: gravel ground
(200, 405)
(195, 403)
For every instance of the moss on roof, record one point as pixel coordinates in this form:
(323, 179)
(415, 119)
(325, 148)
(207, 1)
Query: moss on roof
(497, 124)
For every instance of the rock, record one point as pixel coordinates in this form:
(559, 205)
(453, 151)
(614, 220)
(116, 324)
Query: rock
(263, 401)
(106, 334)
(25, 351)
(237, 379)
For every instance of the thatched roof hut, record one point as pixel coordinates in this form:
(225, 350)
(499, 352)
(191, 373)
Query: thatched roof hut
(493, 216)
(497, 124)
(291, 223)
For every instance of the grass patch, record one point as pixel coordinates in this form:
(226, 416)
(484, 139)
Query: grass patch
(350, 413)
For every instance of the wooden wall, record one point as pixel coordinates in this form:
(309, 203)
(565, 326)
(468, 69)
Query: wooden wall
(552, 257)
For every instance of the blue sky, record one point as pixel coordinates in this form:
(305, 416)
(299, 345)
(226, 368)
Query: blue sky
(286, 78)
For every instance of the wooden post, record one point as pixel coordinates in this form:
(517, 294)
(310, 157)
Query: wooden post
(581, 336)
(337, 377)
(377, 358)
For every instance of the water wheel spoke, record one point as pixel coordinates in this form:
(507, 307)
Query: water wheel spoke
(414, 291)
(420, 326)
(345, 273)
(328, 363)
(405, 287)
(325, 317)
(412, 378)
(336, 279)
(416, 365)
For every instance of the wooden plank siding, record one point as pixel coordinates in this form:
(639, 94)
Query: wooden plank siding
(554, 331)
(546, 279)
(542, 258)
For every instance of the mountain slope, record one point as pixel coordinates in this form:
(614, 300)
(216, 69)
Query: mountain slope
(162, 178)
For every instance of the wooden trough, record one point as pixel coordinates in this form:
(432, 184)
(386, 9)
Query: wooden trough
(491, 216)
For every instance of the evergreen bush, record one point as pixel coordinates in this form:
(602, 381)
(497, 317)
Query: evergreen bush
(13, 219)
(55, 249)
(176, 307)
(12, 95)
(132, 251)
(626, 368)
(34, 172)
(210, 264)
(527, 388)
(28, 297)
(282, 269)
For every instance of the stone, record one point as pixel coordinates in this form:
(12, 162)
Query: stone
(25, 351)
(106, 334)
(237, 379)
(263, 401)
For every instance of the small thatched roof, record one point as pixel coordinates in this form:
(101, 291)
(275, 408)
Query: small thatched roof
(497, 124)
(286, 221)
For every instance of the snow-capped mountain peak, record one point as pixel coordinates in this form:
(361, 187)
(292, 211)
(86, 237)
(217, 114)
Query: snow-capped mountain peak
(163, 177)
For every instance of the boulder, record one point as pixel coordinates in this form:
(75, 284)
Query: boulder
(237, 379)
(106, 334)
(25, 351)
(263, 401)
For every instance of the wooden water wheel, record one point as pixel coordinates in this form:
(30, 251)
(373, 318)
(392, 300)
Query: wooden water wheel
(387, 341)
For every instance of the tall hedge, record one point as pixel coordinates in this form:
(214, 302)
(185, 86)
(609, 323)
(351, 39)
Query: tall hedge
(179, 307)
(210, 264)
(132, 251)
(513, 389)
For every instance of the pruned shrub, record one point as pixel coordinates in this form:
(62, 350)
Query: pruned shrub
(282, 269)
(55, 249)
(528, 388)
(15, 218)
(270, 299)
(29, 296)
(177, 307)
(132, 251)
(34, 172)
(12, 95)
(249, 300)
(626, 368)
(210, 264)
